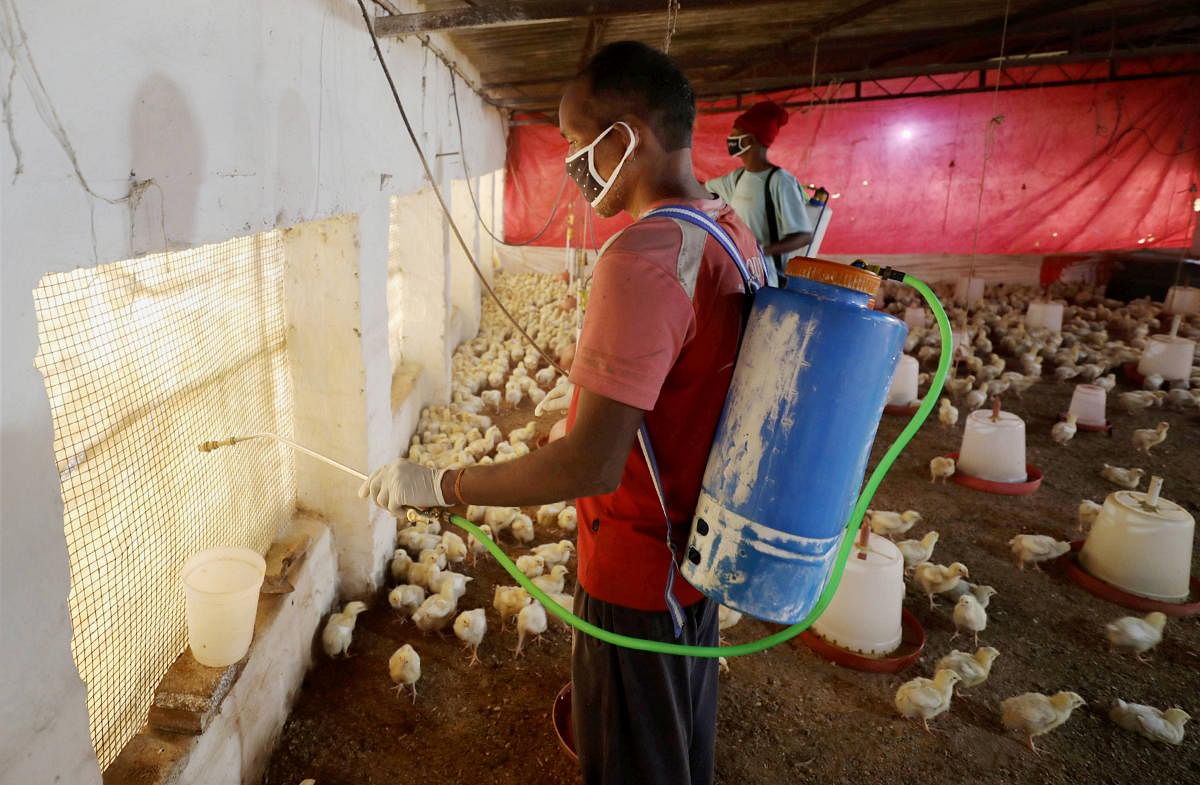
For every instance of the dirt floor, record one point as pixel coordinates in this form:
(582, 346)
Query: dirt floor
(786, 713)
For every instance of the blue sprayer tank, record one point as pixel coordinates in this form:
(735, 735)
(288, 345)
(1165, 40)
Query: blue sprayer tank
(793, 441)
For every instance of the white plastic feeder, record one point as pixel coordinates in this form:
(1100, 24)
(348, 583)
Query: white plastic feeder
(959, 343)
(993, 450)
(1088, 404)
(904, 382)
(1142, 544)
(968, 291)
(1047, 316)
(864, 615)
(1182, 299)
(221, 586)
(1168, 355)
(914, 317)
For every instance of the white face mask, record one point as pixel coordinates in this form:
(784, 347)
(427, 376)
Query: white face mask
(593, 186)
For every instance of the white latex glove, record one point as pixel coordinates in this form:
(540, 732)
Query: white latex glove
(557, 400)
(402, 483)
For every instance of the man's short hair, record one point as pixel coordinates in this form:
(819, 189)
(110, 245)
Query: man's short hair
(640, 80)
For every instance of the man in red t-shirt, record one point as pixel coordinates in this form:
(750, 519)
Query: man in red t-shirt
(658, 347)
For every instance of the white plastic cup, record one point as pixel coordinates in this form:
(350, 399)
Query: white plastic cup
(1169, 356)
(1182, 299)
(959, 343)
(864, 615)
(1047, 316)
(1140, 548)
(914, 317)
(993, 451)
(968, 291)
(1088, 404)
(904, 382)
(221, 587)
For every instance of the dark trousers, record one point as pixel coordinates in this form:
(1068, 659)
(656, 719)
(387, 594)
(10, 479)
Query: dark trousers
(642, 718)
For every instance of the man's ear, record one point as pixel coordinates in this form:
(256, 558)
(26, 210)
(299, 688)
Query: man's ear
(645, 134)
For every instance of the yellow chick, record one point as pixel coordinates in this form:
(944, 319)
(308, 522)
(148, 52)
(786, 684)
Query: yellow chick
(1146, 438)
(886, 523)
(1034, 548)
(451, 585)
(969, 614)
(435, 613)
(339, 630)
(522, 528)
(947, 413)
(941, 469)
(925, 699)
(973, 669)
(1034, 714)
(508, 601)
(568, 519)
(1063, 432)
(917, 551)
(555, 553)
(554, 582)
(531, 620)
(406, 598)
(470, 627)
(455, 548)
(547, 514)
(1138, 636)
(1088, 512)
(476, 545)
(401, 561)
(532, 565)
(1126, 478)
(404, 666)
(937, 579)
(1164, 726)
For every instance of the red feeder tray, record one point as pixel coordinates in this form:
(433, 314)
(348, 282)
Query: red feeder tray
(1106, 428)
(1131, 373)
(1106, 591)
(1032, 482)
(906, 411)
(563, 728)
(912, 643)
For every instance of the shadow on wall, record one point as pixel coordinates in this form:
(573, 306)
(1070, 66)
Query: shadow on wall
(167, 147)
(296, 171)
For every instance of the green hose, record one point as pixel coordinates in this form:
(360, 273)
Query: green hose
(839, 564)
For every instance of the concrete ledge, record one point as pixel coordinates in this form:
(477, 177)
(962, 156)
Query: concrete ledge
(219, 725)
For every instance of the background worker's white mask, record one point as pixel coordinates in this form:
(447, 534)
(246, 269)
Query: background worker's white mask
(738, 144)
(593, 186)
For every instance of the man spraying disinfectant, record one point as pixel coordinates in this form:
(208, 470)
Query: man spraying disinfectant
(766, 197)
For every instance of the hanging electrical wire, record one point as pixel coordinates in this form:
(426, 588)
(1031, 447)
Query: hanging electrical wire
(462, 151)
(672, 20)
(441, 200)
(989, 139)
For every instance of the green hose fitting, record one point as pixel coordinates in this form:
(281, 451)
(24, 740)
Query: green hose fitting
(839, 564)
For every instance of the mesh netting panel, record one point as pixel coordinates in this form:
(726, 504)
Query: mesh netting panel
(143, 360)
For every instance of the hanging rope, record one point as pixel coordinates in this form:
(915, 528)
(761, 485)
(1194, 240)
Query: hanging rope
(672, 20)
(988, 141)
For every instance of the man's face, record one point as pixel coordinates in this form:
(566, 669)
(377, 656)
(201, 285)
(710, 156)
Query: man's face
(580, 123)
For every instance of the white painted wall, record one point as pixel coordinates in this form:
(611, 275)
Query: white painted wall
(245, 115)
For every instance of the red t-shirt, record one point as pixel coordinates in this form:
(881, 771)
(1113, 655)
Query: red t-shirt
(661, 333)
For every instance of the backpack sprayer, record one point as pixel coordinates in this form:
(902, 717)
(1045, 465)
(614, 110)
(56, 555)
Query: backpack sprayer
(768, 537)
(791, 447)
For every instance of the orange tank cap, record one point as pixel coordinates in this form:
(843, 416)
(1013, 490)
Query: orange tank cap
(842, 275)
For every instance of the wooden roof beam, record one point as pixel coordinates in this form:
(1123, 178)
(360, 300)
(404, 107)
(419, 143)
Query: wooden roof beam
(510, 13)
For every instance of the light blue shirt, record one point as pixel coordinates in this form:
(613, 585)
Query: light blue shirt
(748, 200)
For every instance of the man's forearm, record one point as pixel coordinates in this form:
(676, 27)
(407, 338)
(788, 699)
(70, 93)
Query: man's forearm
(788, 244)
(550, 474)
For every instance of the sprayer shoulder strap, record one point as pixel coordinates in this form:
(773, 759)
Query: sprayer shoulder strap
(772, 218)
(696, 217)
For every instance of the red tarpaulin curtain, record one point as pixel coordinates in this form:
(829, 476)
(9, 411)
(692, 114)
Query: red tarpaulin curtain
(1069, 169)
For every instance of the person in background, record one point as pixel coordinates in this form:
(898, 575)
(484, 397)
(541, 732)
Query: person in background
(658, 347)
(768, 198)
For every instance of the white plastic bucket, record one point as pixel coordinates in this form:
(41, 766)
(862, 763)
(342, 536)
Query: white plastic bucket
(1047, 316)
(864, 615)
(1142, 548)
(1168, 356)
(1182, 299)
(221, 587)
(903, 390)
(993, 451)
(1088, 403)
(914, 317)
(968, 291)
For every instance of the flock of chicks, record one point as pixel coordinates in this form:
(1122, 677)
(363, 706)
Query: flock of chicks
(1087, 349)
(493, 372)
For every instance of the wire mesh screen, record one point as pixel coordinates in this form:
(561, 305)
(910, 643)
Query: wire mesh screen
(143, 360)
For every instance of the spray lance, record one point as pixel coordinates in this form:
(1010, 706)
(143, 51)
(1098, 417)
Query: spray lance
(836, 559)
